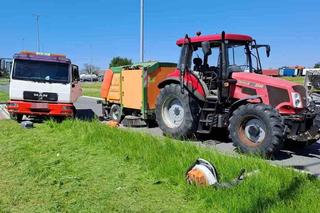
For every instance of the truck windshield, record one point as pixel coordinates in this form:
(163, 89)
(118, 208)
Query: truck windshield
(42, 71)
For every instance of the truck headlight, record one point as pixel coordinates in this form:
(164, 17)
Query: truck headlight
(296, 98)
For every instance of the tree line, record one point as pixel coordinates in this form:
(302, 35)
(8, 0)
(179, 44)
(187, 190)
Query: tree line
(115, 62)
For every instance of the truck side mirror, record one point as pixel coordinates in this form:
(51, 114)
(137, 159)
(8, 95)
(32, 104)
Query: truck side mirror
(206, 48)
(75, 73)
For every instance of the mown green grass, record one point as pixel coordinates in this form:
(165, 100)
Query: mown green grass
(82, 166)
(299, 80)
(4, 96)
(91, 89)
(4, 80)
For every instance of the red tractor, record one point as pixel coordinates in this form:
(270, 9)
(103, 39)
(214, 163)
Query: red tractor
(218, 84)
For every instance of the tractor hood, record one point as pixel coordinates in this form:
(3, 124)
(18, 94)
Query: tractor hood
(276, 92)
(262, 80)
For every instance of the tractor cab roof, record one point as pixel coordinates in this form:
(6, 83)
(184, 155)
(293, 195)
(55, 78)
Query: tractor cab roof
(215, 37)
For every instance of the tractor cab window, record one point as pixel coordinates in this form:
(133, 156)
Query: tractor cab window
(238, 60)
(202, 63)
(242, 58)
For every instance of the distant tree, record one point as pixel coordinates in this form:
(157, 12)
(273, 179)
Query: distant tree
(119, 61)
(317, 65)
(90, 69)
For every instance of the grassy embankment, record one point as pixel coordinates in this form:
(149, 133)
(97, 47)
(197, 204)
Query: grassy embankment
(4, 96)
(91, 89)
(82, 166)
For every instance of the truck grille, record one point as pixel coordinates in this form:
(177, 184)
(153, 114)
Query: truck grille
(45, 96)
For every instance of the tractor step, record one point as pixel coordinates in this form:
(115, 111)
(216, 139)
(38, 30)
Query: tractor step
(203, 131)
(212, 97)
(205, 121)
(208, 109)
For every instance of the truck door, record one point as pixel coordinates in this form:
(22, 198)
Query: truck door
(76, 90)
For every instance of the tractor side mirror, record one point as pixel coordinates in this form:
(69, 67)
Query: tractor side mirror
(268, 50)
(206, 48)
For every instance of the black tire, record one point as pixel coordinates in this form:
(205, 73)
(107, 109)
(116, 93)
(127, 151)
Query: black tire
(16, 117)
(265, 135)
(116, 113)
(74, 110)
(188, 124)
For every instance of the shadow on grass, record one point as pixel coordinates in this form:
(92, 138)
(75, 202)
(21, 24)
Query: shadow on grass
(85, 114)
(287, 194)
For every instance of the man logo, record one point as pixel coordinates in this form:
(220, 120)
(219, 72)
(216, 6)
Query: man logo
(40, 95)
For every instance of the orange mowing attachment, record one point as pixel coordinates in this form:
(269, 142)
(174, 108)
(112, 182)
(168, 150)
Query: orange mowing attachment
(106, 84)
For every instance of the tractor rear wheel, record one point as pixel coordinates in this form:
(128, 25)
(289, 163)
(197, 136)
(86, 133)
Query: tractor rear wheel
(176, 112)
(257, 129)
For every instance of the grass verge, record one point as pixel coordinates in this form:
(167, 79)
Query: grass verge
(299, 80)
(4, 96)
(91, 89)
(4, 81)
(81, 166)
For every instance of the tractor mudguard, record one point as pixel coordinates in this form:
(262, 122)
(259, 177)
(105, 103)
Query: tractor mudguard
(240, 102)
(191, 83)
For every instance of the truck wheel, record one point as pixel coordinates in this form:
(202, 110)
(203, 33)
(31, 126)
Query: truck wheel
(115, 113)
(256, 129)
(16, 117)
(176, 113)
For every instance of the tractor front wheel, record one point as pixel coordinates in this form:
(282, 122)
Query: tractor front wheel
(257, 129)
(177, 112)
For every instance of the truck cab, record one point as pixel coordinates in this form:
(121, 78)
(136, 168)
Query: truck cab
(43, 85)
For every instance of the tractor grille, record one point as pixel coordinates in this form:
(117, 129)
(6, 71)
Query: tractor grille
(277, 95)
(46, 96)
(303, 93)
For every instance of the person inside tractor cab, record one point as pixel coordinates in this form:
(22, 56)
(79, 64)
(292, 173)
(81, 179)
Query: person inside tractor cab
(241, 57)
(203, 66)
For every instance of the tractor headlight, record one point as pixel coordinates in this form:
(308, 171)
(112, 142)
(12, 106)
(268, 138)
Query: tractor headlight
(296, 98)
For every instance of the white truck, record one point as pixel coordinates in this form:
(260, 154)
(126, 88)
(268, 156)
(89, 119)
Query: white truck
(43, 85)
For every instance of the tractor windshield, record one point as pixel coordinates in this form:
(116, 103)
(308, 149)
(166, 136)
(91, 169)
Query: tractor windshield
(242, 57)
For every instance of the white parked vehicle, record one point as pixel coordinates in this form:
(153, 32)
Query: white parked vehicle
(43, 84)
(88, 77)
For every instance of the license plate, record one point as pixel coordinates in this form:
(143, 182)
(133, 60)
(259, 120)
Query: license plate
(39, 106)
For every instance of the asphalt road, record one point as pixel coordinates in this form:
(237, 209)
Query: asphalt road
(307, 159)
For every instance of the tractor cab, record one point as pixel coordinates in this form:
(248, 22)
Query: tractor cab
(211, 59)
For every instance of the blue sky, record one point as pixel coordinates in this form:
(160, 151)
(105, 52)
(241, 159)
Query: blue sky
(97, 30)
